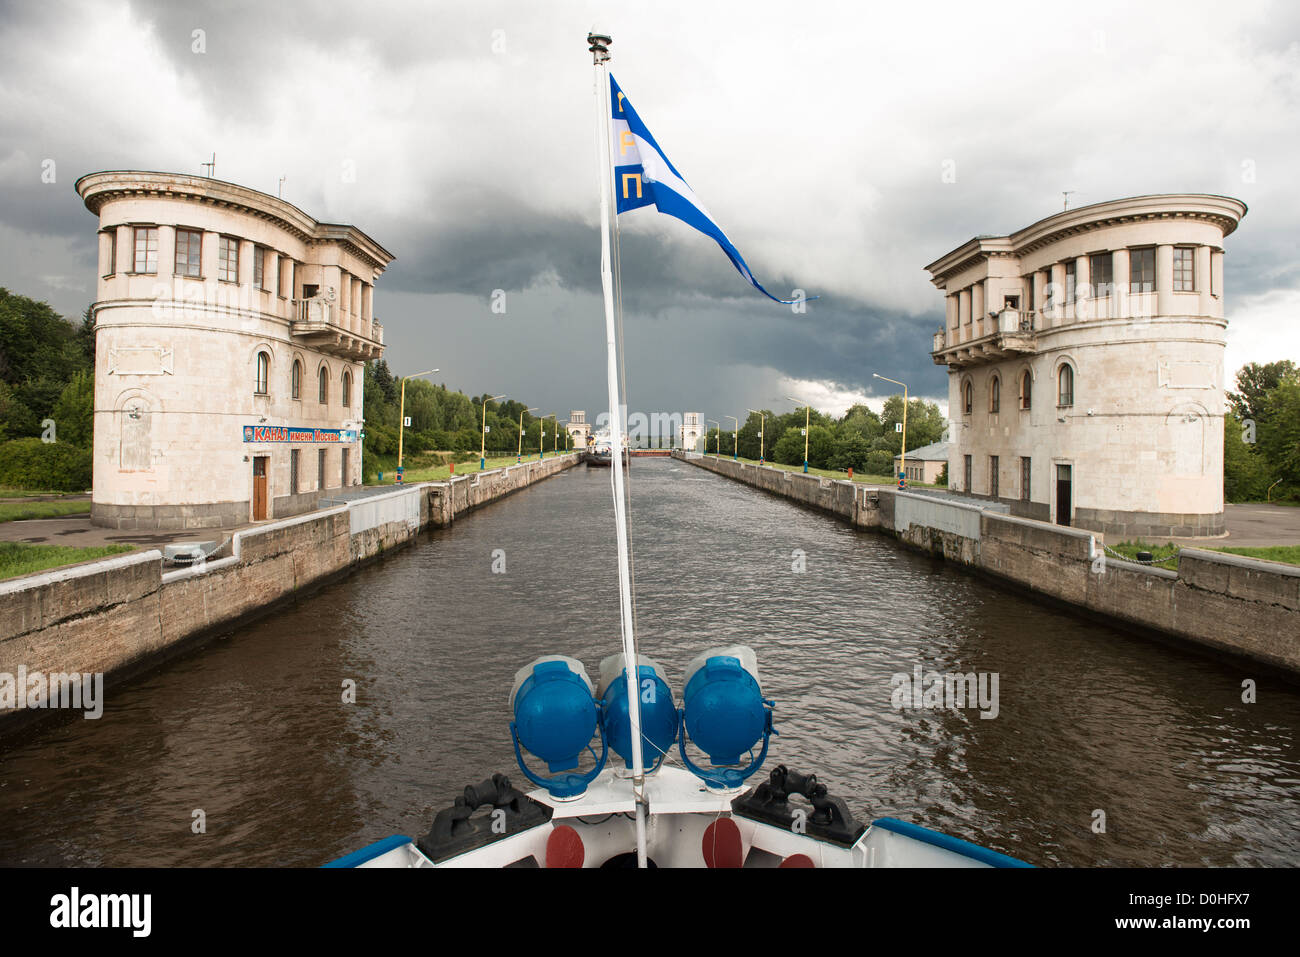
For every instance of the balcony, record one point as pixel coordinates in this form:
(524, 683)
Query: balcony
(990, 339)
(317, 323)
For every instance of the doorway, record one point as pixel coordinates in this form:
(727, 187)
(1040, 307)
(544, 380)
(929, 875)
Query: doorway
(259, 488)
(1064, 485)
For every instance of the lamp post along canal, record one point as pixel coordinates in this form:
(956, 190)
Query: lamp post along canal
(401, 420)
(519, 452)
(902, 458)
(482, 448)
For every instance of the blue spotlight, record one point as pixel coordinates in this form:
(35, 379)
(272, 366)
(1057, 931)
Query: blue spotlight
(554, 719)
(725, 713)
(659, 717)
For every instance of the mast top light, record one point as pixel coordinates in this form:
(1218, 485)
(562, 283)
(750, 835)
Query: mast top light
(599, 44)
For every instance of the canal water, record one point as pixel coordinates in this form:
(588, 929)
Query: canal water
(249, 735)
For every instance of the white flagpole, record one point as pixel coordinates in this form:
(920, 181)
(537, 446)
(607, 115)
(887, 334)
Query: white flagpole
(599, 46)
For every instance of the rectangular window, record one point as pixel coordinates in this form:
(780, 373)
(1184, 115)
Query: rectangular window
(228, 259)
(1071, 267)
(1142, 270)
(993, 475)
(968, 474)
(293, 471)
(259, 267)
(189, 253)
(1024, 479)
(1184, 270)
(146, 249)
(278, 285)
(1101, 267)
(320, 468)
(112, 252)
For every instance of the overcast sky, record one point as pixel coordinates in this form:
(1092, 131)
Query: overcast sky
(816, 133)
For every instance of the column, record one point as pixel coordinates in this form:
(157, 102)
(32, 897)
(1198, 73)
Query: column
(345, 299)
(167, 266)
(979, 326)
(963, 313)
(1057, 271)
(950, 301)
(333, 276)
(1119, 298)
(1165, 280)
(125, 249)
(1216, 281)
(245, 271)
(1201, 265)
(367, 306)
(1040, 297)
(1082, 288)
(107, 239)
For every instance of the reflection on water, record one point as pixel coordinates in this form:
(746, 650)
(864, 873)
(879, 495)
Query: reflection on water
(252, 728)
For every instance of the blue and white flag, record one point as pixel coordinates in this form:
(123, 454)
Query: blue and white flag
(644, 175)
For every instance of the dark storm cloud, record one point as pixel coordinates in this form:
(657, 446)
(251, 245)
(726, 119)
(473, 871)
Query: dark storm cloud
(476, 163)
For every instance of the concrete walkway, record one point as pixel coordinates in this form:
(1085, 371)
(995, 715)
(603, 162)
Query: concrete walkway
(1253, 526)
(77, 532)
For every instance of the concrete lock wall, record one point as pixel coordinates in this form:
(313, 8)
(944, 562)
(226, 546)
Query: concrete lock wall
(119, 614)
(1230, 603)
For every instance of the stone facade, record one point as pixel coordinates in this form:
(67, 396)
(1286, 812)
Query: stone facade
(691, 431)
(231, 332)
(1085, 358)
(579, 429)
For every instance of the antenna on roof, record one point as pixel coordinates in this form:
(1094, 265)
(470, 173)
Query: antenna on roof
(280, 191)
(211, 167)
(1066, 194)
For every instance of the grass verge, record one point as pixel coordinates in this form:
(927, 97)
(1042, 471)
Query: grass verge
(23, 558)
(440, 473)
(1286, 554)
(24, 511)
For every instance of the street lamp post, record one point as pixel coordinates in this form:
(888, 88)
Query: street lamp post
(762, 428)
(401, 420)
(717, 440)
(807, 427)
(482, 448)
(519, 452)
(902, 458)
(555, 435)
(735, 438)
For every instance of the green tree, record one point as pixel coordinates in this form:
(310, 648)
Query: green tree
(1245, 470)
(1278, 432)
(925, 424)
(1255, 381)
(850, 452)
(74, 410)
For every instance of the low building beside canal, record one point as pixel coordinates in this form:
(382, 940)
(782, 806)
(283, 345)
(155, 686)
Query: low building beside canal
(924, 464)
(231, 333)
(1085, 358)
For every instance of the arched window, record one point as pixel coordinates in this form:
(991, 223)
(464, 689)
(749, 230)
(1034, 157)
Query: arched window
(295, 380)
(347, 389)
(967, 398)
(263, 373)
(1065, 386)
(995, 395)
(1026, 390)
(324, 386)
